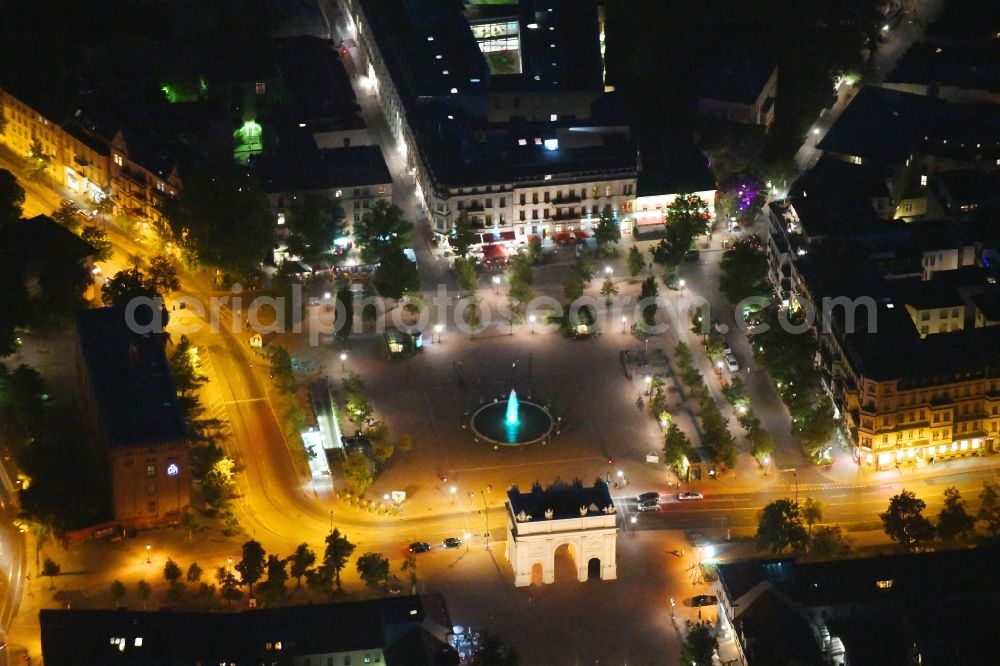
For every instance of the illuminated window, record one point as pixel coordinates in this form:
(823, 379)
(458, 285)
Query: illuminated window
(118, 159)
(150, 468)
(554, 117)
(381, 189)
(954, 446)
(338, 194)
(138, 641)
(260, 88)
(884, 584)
(923, 180)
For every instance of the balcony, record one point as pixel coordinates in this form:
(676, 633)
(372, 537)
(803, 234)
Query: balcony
(567, 199)
(565, 216)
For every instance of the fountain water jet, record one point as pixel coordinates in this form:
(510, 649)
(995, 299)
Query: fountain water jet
(512, 407)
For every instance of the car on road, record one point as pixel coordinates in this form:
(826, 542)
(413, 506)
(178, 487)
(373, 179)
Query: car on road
(732, 364)
(452, 542)
(692, 255)
(704, 600)
(689, 495)
(649, 505)
(648, 496)
(419, 547)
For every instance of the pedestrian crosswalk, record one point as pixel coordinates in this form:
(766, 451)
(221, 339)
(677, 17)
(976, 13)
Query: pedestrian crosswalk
(214, 403)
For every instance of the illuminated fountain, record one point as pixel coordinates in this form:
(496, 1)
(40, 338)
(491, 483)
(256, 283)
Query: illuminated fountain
(512, 422)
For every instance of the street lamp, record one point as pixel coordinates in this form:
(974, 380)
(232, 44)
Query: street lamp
(795, 475)
(608, 270)
(327, 296)
(453, 490)
(531, 320)
(468, 538)
(681, 283)
(343, 361)
(437, 329)
(229, 563)
(496, 284)
(149, 549)
(623, 323)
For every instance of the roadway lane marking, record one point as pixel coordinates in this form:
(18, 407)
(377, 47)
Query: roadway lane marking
(242, 400)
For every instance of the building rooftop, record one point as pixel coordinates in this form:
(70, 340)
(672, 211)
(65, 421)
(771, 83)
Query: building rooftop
(967, 66)
(835, 215)
(130, 378)
(268, 635)
(737, 76)
(313, 169)
(41, 239)
(881, 125)
(829, 176)
(462, 152)
(988, 302)
(675, 166)
(317, 83)
(775, 635)
(564, 499)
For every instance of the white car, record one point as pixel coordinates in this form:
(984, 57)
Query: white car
(732, 364)
(726, 349)
(689, 495)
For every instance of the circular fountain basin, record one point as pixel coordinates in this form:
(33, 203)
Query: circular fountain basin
(533, 423)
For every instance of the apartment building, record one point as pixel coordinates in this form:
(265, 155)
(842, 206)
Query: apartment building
(491, 109)
(90, 161)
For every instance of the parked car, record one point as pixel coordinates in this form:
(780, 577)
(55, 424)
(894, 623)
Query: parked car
(692, 255)
(648, 496)
(689, 495)
(649, 505)
(726, 349)
(452, 542)
(704, 600)
(732, 364)
(419, 547)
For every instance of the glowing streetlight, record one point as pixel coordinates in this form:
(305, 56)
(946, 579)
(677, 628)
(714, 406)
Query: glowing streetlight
(343, 361)
(149, 555)
(531, 321)
(608, 270)
(327, 296)
(496, 284)
(468, 538)
(437, 329)
(633, 520)
(623, 323)
(681, 283)
(229, 563)
(453, 490)
(815, 131)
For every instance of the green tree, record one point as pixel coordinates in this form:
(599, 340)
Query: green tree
(184, 367)
(228, 585)
(465, 270)
(98, 239)
(338, 551)
(462, 235)
(281, 369)
(584, 268)
(609, 289)
(815, 428)
(472, 317)
(301, 561)
(635, 262)
(829, 541)
(607, 231)
(682, 355)
(953, 519)
(396, 275)
(700, 645)
(743, 273)
(143, 591)
(126, 285)
(37, 161)
(171, 572)
(277, 577)
(11, 197)
(68, 215)
(316, 221)
(373, 569)
(520, 277)
(573, 286)
(812, 513)
(382, 233)
(194, 573)
(904, 520)
(989, 508)
(358, 471)
(345, 311)
(251, 566)
(647, 299)
(356, 399)
(104, 204)
(161, 275)
(779, 526)
(762, 444)
(715, 432)
(117, 592)
(535, 252)
(675, 446)
(22, 405)
(220, 219)
(494, 652)
(409, 565)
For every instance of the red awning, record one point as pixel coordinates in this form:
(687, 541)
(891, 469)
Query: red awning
(494, 252)
(581, 235)
(563, 237)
